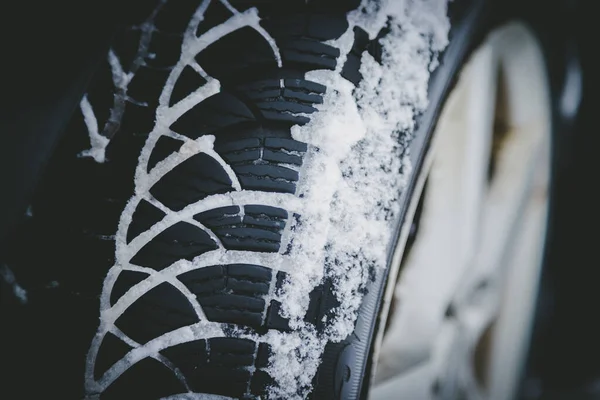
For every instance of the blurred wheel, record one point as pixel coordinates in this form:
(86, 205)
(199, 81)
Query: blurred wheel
(467, 286)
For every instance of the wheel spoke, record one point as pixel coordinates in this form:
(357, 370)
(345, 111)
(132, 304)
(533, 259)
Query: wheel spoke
(506, 262)
(468, 284)
(450, 222)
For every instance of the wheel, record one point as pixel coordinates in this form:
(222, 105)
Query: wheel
(228, 212)
(468, 283)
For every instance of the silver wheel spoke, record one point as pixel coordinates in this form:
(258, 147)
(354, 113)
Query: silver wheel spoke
(451, 218)
(468, 284)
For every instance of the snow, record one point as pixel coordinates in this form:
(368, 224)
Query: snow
(354, 170)
(98, 142)
(7, 275)
(121, 78)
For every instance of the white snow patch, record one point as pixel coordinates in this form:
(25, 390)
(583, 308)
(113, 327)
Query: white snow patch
(355, 169)
(98, 142)
(8, 276)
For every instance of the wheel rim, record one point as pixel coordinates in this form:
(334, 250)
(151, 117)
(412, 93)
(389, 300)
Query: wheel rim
(468, 285)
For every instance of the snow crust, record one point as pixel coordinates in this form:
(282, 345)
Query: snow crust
(354, 171)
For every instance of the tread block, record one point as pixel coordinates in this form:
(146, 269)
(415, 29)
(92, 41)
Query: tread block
(300, 36)
(256, 273)
(225, 302)
(208, 363)
(148, 379)
(251, 153)
(258, 230)
(287, 111)
(187, 356)
(282, 115)
(308, 54)
(213, 114)
(210, 380)
(314, 26)
(281, 157)
(269, 178)
(250, 239)
(244, 157)
(144, 216)
(239, 145)
(263, 354)
(231, 352)
(375, 48)
(328, 26)
(288, 145)
(274, 320)
(261, 381)
(160, 310)
(220, 216)
(230, 293)
(268, 217)
(190, 181)
(322, 303)
(111, 350)
(165, 146)
(238, 55)
(277, 6)
(180, 241)
(188, 82)
(302, 96)
(279, 102)
(125, 281)
(302, 85)
(351, 69)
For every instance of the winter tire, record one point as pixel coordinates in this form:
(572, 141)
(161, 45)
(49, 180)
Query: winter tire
(241, 192)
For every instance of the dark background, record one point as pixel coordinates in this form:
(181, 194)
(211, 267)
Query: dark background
(47, 54)
(565, 356)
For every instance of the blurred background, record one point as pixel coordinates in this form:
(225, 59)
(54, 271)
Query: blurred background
(564, 362)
